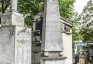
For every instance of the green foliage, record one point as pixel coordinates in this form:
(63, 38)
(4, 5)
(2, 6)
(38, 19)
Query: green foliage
(87, 15)
(32, 7)
(28, 20)
(76, 35)
(87, 22)
(87, 34)
(66, 8)
(75, 30)
(4, 4)
(0, 6)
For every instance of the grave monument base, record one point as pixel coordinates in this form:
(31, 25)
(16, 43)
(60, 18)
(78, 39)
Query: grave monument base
(15, 45)
(53, 60)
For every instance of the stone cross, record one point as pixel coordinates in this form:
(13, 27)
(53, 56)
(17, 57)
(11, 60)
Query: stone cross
(13, 5)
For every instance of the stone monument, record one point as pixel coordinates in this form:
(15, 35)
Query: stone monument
(52, 47)
(15, 38)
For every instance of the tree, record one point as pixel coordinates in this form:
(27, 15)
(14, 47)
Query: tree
(87, 15)
(66, 8)
(87, 22)
(75, 30)
(4, 4)
(87, 34)
(31, 7)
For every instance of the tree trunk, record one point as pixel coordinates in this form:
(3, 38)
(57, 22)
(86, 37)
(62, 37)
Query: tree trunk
(3, 11)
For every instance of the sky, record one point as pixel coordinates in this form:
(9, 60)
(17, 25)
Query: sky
(79, 5)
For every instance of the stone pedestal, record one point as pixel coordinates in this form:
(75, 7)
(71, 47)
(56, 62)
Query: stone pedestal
(12, 18)
(15, 40)
(53, 60)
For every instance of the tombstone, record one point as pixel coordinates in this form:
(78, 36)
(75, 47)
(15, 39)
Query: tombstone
(15, 38)
(52, 47)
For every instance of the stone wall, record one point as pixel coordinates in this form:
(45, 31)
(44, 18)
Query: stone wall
(67, 45)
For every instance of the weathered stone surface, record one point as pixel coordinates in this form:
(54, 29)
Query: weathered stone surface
(67, 41)
(15, 45)
(67, 44)
(51, 37)
(23, 46)
(7, 38)
(13, 5)
(15, 39)
(53, 62)
(12, 18)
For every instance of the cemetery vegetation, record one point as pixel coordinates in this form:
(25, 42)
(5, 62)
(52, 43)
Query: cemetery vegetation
(87, 22)
(31, 7)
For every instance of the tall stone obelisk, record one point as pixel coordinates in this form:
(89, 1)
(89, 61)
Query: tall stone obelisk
(15, 38)
(52, 46)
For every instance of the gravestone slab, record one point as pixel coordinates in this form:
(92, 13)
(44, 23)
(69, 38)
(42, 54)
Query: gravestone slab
(15, 39)
(7, 41)
(15, 45)
(23, 45)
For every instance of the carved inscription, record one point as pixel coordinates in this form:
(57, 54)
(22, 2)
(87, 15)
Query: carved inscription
(23, 46)
(23, 36)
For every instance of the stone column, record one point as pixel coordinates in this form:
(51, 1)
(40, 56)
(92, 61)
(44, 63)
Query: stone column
(52, 34)
(14, 5)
